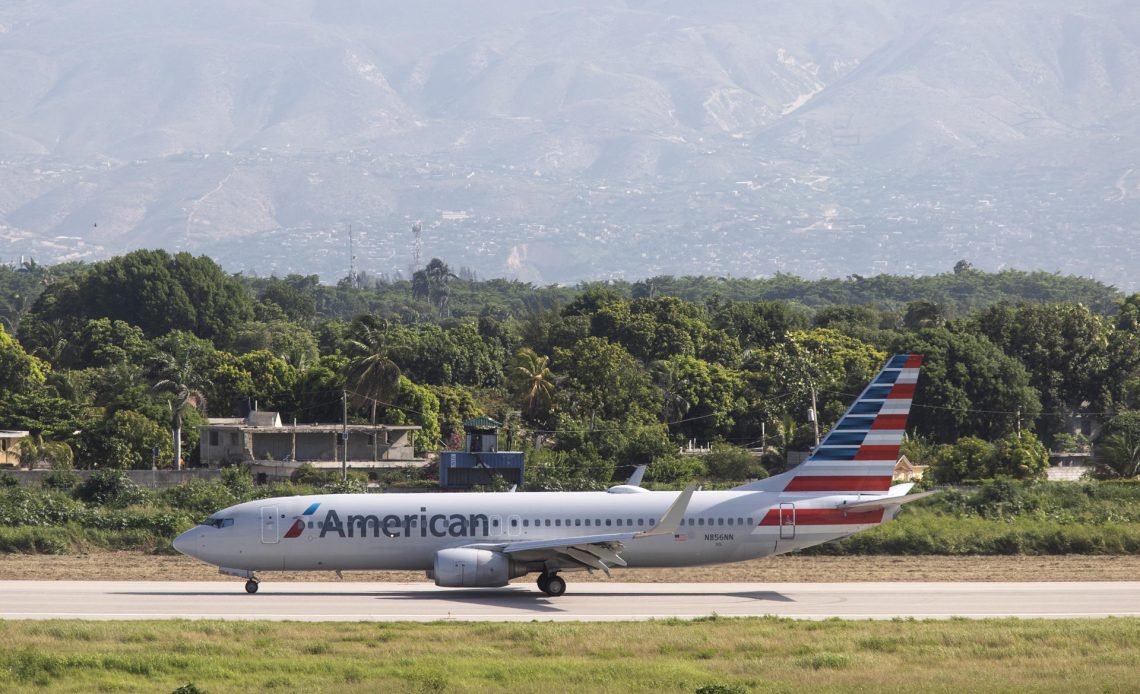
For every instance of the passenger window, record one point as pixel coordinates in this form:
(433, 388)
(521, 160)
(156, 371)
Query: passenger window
(310, 525)
(720, 521)
(558, 522)
(526, 523)
(514, 522)
(587, 522)
(608, 524)
(547, 522)
(750, 521)
(495, 523)
(629, 521)
(652, 521)
(730, 521)
(577, 522)
(700, 521)
(619, 522)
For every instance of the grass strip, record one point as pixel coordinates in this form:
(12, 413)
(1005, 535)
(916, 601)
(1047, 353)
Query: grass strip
(710, 655)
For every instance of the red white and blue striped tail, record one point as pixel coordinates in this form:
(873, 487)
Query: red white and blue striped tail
(861, 451)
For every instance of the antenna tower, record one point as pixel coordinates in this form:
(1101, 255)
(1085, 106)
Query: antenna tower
(351, 260)
(417, 246)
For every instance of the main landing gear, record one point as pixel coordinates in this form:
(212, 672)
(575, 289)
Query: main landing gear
(551, 584)
(251, 585)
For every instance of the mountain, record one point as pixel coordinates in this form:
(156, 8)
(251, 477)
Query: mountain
(559, 141)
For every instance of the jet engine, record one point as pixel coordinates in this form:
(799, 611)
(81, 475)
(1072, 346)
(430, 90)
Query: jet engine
(462, 567)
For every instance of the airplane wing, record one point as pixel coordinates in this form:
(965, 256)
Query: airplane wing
(593, 551)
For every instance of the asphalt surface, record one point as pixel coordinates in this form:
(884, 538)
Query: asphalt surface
(336, 601)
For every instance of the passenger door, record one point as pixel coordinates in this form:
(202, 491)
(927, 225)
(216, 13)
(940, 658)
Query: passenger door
(269, 534)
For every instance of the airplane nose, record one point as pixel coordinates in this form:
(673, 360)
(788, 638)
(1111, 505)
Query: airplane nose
(185, 543)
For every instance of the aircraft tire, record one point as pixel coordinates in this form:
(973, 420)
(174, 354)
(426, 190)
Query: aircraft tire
(555, 586)
(251, 586)
(543, 578)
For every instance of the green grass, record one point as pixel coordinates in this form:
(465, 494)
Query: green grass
(728, 655)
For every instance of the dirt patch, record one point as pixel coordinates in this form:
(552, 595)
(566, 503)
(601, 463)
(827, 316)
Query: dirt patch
(120, 566)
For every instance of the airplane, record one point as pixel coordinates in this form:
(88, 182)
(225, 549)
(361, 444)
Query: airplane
(486, 539)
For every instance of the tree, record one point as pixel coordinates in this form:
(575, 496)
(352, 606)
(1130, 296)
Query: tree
(37, 453)
(1020, 456)
(154, 291)
(1065, 350)
(966, 460)
(1118, 450)
(370, 372)
(185, 383)
(670, 382)
(533, 382)
(968, 386)
(19, 371)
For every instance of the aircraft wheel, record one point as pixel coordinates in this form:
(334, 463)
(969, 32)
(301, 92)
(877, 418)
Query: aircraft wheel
(555, 586)
(543, 579)
(251, 586)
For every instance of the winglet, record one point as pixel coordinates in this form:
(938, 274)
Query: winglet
(672, 519)
(635, 479)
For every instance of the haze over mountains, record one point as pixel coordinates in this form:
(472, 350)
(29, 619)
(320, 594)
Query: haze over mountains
(560, 141)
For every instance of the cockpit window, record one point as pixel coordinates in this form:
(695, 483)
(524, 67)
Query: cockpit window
(218, 522)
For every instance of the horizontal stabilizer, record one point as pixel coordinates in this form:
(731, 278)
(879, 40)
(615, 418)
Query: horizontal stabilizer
(881, 503)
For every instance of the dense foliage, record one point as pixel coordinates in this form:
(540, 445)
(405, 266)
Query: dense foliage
(103, 361)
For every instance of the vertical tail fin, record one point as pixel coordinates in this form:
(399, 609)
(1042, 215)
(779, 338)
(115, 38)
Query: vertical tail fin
(859, 454)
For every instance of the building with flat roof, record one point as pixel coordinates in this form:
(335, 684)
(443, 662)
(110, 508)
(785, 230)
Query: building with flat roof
(275, 450)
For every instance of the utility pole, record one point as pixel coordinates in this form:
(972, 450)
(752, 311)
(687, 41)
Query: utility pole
(344, 437)
(814, 415)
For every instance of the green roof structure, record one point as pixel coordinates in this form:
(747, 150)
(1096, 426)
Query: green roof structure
(482, 423)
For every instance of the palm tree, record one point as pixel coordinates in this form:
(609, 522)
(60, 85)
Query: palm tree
(34, 452)
(438, 276)
(185, 386)
(670, 382)
(370, 372)
(533, 381)
(1119, 455)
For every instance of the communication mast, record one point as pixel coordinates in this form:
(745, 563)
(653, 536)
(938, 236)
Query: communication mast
(416, 245)
(351, 260)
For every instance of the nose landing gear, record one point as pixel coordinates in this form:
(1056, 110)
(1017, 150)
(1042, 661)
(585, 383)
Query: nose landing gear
(251, 585)
(551, 584)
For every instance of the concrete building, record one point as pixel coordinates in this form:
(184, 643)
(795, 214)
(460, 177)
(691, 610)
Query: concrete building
(274, 450)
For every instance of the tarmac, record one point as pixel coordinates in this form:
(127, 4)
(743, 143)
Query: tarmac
(358, 601)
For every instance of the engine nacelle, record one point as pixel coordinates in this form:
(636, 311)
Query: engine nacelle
(462, 567)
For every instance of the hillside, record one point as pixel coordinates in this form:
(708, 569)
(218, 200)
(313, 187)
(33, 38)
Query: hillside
(556, 141)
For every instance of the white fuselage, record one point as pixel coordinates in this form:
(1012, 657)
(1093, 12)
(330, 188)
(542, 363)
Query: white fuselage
(404, 531)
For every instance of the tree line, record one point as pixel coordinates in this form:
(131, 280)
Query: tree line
(103, 361)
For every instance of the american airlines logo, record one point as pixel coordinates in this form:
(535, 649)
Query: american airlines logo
(393, 526)
(299, 524)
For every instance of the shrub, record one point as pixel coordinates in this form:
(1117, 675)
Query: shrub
(733, 464)
(111, 488)
(60, 480)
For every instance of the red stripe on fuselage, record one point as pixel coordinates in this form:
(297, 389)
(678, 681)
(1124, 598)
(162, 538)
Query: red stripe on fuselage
(838, 483)
(823, 516)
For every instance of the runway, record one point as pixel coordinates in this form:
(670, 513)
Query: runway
(342, 601)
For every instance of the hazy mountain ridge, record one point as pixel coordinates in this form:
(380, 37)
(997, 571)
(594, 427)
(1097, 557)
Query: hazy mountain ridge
(559, 141)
